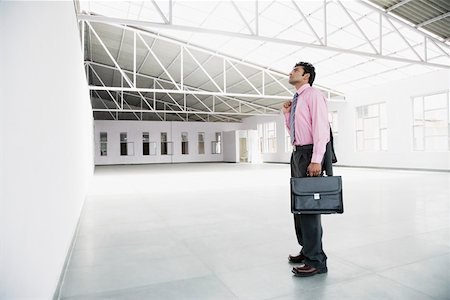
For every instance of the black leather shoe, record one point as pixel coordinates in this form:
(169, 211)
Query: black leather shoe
(296, 259)
(307, 271)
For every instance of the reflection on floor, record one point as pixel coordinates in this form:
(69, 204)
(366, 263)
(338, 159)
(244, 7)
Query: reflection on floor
(224, 231)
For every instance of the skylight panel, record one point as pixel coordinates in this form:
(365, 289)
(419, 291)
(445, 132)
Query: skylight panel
(271, 52)
(411, 69)
(379, 67)
(327, 66)
(135, 10)
(238, 47)
(148, 13)
(193, 13)
(212, 41)
(298, 33)
(116, 9)
(441, 59)
(225, 18)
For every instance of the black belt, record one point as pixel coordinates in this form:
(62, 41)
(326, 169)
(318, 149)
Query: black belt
(303, 148)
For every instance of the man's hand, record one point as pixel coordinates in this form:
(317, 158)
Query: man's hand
(314, 169)
(286, 107)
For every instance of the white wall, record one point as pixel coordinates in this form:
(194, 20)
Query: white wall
(397, 95)
(134, 131)
(47, 144)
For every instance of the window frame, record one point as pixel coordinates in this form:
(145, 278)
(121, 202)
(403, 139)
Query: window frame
(423, 126)
(381, 128)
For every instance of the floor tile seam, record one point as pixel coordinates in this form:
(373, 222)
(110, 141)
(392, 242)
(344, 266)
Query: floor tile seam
(406, 264)
(229, 288)
(221, 251)
(384, 241)
(115, 221)
(215, 235)
(224, 285)
(77, 268)
(406, 286)
(108, 247)
(128, 233)
(351, 264)
(371, 270)
(122, 246)
(334, 284)
(149, 260)
(411, 263)
(131, 288)
(245, 268)
(129, 244)
(372, 273)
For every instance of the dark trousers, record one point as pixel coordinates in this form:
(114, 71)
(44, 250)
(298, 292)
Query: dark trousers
(307, 227)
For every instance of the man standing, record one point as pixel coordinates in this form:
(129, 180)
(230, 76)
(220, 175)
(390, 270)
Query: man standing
(307, 121)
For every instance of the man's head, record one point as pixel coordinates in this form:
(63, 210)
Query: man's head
(302, 73)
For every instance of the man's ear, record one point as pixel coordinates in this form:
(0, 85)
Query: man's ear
(308, 75)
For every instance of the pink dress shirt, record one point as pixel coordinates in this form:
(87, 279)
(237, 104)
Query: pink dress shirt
(311, 121)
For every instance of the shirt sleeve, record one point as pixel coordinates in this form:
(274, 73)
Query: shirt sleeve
(320, 126)
(286, 120)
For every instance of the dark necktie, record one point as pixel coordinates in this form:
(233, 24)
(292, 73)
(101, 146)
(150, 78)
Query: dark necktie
(292, 118)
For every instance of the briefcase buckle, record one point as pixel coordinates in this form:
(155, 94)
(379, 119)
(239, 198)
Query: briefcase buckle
(316, 196)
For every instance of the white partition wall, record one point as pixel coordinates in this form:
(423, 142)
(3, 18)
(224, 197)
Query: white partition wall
(174, 131)
(46, 144)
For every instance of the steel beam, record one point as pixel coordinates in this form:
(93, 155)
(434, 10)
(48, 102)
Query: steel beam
(158, 9)
(427, 22)
(357, 26)
(166, 91)
(260, 38)
(242, 17)
(185, 112)
(188, 89)
(307, 22)
(124, 76)
(159, 62)
(401, 3)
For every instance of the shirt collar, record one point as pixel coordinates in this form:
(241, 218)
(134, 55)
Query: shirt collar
(303, 87)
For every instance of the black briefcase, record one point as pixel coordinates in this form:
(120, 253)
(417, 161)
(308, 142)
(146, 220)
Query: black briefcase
(316, 195)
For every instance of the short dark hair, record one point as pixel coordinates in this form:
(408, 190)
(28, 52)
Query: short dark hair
(309, 68)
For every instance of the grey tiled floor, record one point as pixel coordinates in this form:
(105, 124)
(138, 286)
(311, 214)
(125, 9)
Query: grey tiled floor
(223, 231)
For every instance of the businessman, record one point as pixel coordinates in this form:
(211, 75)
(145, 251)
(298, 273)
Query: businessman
(306, 118)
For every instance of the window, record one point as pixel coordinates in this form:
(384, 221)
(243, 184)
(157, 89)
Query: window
(184, 143)
(201, 143)
(103, 144)
(371, 127)
(431, 122)
(145, 143)
(126, 148)
(267, 136)
(216, 147)
(166, 147)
